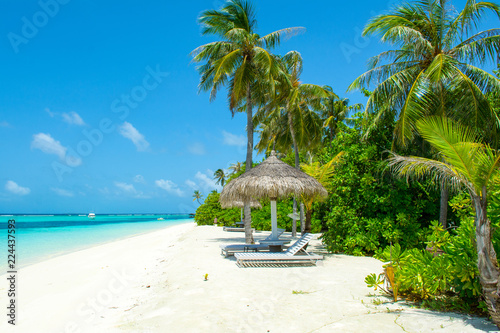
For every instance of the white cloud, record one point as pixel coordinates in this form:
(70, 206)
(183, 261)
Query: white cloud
(51, 114)
(233, 139)
(206, 180)
(203, 182)
(4, 124)
(139, 179)
(72, 118)
(129, 189)
(47, 144)
(130, 132)
(196, 148)
(191, 184)
(16, 189)
(125, 187)
(169, 186)
(62, 192)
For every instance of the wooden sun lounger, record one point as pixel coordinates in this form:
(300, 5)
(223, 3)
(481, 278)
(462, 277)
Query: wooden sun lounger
(235, 229)
(230, 249)
(295, 254)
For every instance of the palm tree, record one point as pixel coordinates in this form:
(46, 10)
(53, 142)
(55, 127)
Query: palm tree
(241, 60)
(323, 174)
(335, 110)
(468, 165)
(295, 102)
(197, 196)
(235, 168)
(433, 71)
(220, 177)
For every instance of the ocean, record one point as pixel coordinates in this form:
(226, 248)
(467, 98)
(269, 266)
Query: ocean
(41, 237)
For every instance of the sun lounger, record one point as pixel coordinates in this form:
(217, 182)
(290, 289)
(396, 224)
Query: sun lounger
(295, 254)
(230, 249)
(280, 232)
(235, 229)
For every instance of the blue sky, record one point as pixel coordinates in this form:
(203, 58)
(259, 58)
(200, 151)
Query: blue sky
(100, 111)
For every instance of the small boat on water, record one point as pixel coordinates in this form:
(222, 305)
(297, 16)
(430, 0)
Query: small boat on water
(160, 219)
(91, 216)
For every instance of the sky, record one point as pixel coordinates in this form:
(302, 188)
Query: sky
(100, 109)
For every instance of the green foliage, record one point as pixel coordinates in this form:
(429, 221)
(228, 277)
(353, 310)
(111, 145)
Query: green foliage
(211, 209)
(368, 209)
(461, 206)
(447, 281)
(494, 205)
(375, 281)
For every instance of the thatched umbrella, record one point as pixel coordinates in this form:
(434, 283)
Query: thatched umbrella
(273, 179)
(241, 204)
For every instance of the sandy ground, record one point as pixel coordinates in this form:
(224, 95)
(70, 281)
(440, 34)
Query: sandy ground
(156, 283)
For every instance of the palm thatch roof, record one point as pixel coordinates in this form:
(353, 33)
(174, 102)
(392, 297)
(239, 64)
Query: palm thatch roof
(241, 204)
(271, 179)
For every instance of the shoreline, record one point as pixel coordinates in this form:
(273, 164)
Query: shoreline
(155, 283)
(38, 259)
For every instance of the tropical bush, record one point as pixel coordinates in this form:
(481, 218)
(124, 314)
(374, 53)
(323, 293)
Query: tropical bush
(443, 277)
(211, 209)
(368, 209)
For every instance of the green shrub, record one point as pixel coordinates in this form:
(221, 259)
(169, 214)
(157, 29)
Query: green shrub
(367, 208)
(211, 209)
(447, 281)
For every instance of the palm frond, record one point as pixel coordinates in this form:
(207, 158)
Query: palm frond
(455, 142)
(273, 39)
(479, 50)
(420, 168)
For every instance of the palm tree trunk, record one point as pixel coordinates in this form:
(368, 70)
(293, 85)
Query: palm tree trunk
(307, 227)
(247, 210)
(297, 166)
(487, 259)
(302, 219)
(443, 209)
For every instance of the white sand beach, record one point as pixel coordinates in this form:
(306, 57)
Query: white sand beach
(156, 283)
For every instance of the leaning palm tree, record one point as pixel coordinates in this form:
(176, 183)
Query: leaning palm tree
(295, 102)
(197, 196)
(433, 69)
(220, 177)
(241, 61)
(468, 165)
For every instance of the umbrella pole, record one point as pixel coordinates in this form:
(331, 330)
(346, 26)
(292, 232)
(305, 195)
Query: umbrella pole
(274, 221)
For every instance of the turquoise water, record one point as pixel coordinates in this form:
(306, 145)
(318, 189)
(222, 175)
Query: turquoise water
(40, 237)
